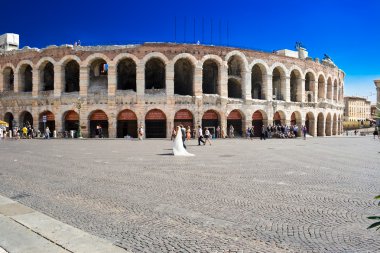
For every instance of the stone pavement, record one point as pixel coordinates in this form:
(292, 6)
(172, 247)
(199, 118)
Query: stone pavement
(23, 230)
(233, 196)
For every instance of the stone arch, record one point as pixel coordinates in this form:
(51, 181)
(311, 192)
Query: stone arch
(24, 72)
(50, 122)
(155, 124)
(124, 56)
(237, 67)
(258, 74)
(45, 67)
(321, 125)
(98, 72)
(184, 117)
(126, 124)
(329, 88)
(211, 76)
(155, 73)
(211, 119)
(71, 75)
(235, 119)
(310, 85)
(126, 69)
(243, 58)
(334, 125)
(184, 69)
(25, 119)
(328, 125)
(279, 118)
(295, 85)
(154, 55)
(262, 64)
(70, 120)
(8, 77)
(321, 86)
(98, 118)
(278, 82)
(9, 118)
(310, 123)
(259, 119)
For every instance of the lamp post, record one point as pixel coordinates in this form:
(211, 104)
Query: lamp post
(78, 105)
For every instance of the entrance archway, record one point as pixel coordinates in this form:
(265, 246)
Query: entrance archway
(328, 125)
(257, 122)
(183, 77)
(320, 125)
(126, 124)
(8, 117)
(309, 123)
(279, 118)
(236, 120)
(296, 119)
(184, 117)
(210, 76)
(71, 121)
(26, 119)
(98, 118)
(155, 124)
(50, 122)
(210, 119)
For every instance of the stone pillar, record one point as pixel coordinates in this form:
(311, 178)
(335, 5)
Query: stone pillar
(58, 80)
(36, 82)
(268, 87)
(58, 123)
(246, 85)
(112, 80)
(84, 80)
(1, 82)
(223, 124)
(197, 88)
(377, 84)
(112, 125)
(223, 82)
(169, 126)
(316, 90)
(285, 88)
(170, 80)
(301, 90)
(247, 122)
(140, 81)
(16, 81)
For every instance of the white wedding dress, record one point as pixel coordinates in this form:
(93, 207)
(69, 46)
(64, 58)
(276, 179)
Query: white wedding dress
(178, 149)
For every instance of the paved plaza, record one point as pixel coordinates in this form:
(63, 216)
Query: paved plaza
(234, 196)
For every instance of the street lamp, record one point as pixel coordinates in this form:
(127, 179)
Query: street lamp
(78, 105)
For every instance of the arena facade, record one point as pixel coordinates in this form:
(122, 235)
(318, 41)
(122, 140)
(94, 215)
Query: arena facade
(160, 85)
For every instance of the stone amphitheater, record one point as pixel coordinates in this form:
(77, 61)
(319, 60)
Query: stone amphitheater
(160, 85)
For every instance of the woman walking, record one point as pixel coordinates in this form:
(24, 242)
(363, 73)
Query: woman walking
(188, 133)
(207, 136)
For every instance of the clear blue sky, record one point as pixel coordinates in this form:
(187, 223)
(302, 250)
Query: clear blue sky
(348, 31)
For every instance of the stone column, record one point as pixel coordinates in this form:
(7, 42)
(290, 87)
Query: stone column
(84, 81)
(170, 80)
(140, 81)
(197, 88)
(58, 80)
(316, 90)
(36, 82)
(16, 82)
(247, 122)
(268, 87)
(246, 85)
(112, 80)
(1, 82)
(223, 82)
(285, 88)
(301, 90)
(112, 122)
(169, 126)
(377, 84)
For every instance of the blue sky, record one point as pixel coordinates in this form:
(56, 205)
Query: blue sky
(348, 31)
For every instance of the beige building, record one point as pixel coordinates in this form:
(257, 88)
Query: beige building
(160, 85)
(356, 108)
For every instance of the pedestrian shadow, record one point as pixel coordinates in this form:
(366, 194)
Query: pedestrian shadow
(166, 154)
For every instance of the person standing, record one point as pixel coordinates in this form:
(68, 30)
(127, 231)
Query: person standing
(188, 133)
(262, 136)
(47, 133)
(304, 131)
(1, 133)
(218, 134)
(100, 131)
(183, 131)
(174, 133)
(252, 132)
(207, 136)
(141, 133)
(200, 136)
(248, 133)
(232, 130)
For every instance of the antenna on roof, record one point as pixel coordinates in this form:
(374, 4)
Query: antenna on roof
(184, 31)
(175, 29)
(194, 29)
(211, 31)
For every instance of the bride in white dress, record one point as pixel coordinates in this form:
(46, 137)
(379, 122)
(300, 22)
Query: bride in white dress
(178, 149)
